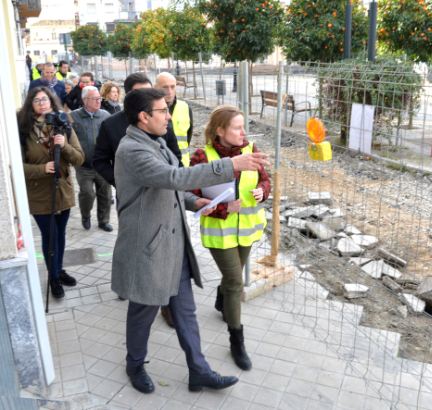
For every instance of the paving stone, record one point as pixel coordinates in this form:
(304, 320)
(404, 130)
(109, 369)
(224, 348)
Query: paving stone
(365, 241)
(352, 230)
(297, 223)
(347, 247)
(391, 258)
(320, 230)
(414, 303)
(355, 290)
(319, 198)
(336, 223)
(391, 284)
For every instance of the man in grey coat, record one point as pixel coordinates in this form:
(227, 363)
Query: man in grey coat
(86, 122)
(153, 260)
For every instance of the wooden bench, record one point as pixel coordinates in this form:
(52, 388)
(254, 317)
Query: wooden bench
(269, 98)
(181, 81)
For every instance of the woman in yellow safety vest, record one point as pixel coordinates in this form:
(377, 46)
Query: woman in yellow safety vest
(230, 229)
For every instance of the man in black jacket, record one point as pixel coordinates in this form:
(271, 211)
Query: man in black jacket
(113, 129)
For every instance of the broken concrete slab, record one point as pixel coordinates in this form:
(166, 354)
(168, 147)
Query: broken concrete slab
(360, 261)
(365, 241)
(391, 284)
(336, 212)
(352, 230)
(355, 290)
(391, 258)
(390, 271)
(378, 268)
(337, 223)
(320, 230)
(347, 247)
(401, 311)
(413, 302)
(425, 286)
(297, 223)
(373, 269)
(319, 211)
(319, 198)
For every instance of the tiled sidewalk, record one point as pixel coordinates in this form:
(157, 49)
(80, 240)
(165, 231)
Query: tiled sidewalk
(307, 352)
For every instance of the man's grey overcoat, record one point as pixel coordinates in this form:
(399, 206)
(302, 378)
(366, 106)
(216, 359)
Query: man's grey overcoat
(153, 234)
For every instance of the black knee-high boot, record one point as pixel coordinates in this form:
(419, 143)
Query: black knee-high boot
(238, 350)
(219, 300)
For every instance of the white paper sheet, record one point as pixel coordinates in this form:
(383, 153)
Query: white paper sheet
(213, 191)
(222, 197)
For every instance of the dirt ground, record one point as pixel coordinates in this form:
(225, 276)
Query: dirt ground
(387, 202)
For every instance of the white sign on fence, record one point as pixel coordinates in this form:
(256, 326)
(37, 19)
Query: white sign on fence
(362, 119)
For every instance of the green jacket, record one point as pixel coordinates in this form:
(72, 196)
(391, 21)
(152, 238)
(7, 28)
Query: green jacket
(40, 184)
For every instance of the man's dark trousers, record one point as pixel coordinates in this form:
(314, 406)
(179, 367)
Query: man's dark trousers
(88, 178)
(140, 318)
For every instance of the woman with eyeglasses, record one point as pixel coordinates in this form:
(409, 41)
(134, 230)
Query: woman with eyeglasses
(230, 229)
(42, 132)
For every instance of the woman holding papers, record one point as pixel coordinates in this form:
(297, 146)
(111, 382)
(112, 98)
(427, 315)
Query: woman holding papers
(230, 228)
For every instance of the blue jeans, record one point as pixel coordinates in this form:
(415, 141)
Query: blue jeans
(59, 240)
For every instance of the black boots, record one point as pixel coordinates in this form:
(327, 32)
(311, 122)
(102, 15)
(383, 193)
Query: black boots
(219, 300)
(212, 380)
(238, 350)
(57, 289)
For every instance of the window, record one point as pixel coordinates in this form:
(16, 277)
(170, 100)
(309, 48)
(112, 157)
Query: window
(53, 35)
(53, 52)
(36, 53)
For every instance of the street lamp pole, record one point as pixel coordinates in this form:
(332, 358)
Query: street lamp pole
(373, 11)
(348, 30)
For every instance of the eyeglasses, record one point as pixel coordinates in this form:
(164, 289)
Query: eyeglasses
(162, 110)
(40, 100)
(94, 98)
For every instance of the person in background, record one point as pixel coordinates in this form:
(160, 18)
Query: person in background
(111, 132)
(49, 80)
(36, 72)
(181, 122)
(63, 70)
(153, 260)
(110, 93)
(86, 123)
(73, 99)
(231, 229)
(68, 85)
(37, 143)
(28, 60)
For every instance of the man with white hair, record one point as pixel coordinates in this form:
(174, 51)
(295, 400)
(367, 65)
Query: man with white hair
(181, 123)
(86, 123)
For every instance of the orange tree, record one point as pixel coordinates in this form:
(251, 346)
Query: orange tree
(152, 35)
(89, 41)
(189, 35)
(314, 29)
(405, 27)
(119, 43)
(243, 29)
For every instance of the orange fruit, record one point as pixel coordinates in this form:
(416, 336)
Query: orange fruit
(315, 130)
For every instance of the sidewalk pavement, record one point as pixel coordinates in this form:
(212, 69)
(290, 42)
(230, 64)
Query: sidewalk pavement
(307, 352)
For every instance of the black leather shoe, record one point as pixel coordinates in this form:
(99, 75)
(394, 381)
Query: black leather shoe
(66, 279)
(57, 289)
(86, 223)
(106, 227)
(140, 379)
(212, 381)
(166, 314)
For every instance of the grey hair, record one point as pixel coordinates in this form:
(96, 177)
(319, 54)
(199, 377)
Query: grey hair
(87, 89)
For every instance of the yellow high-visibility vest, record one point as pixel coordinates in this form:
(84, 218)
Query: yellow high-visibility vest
(181, 124)
(35, 73)
(239, 228)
